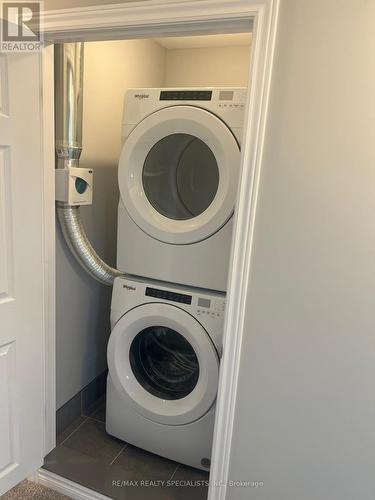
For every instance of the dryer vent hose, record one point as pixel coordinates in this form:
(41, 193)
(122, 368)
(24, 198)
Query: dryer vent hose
(80, 246)
(68, 145)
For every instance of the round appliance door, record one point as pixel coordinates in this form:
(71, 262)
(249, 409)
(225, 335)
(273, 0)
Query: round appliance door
(178, 174)
(164, 362)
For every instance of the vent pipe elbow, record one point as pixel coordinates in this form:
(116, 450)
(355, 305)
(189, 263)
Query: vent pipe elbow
(68, 145)
(74, 234)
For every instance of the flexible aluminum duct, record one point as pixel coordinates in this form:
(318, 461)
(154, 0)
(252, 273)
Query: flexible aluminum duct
(68, 144)
(76, 239)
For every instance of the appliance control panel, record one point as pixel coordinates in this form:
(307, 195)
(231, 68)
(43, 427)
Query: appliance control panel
(185, 95)
(168, 295)
(201, 304)
(228, 103)
(221, 99)
(207, 307)
(210, 307)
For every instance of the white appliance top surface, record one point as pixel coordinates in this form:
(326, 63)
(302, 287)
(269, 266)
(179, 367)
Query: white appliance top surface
(194, 291)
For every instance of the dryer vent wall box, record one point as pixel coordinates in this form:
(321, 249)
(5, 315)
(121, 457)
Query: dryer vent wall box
(74, 185)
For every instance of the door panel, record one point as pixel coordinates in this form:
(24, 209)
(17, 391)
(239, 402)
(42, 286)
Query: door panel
(6, 264)
(4, 96)
(21, 270)
(7, 370)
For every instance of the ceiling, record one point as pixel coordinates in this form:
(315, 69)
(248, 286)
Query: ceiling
(199, 42)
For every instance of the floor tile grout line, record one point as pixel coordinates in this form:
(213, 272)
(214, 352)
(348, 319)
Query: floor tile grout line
(174, 472)
(118, 454)
(73, 432)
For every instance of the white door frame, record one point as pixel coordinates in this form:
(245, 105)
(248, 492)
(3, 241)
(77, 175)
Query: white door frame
(156, 18)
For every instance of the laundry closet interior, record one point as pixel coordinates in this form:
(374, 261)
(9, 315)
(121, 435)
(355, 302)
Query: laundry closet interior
(154, 189)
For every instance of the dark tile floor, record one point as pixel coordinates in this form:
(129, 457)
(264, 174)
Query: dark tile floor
(86, 454)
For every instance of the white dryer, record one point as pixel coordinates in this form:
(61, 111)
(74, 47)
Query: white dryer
(178, 177)
(163, 358)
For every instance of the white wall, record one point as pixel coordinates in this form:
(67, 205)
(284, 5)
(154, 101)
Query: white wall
(207, 67)
(110, 69)
(305, 411)
(82, 304)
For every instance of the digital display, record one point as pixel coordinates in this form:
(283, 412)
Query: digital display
(204, 302)
(167, 295)
(185, 95)
(226, 95)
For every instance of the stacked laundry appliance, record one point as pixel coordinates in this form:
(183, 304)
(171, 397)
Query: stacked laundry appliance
(178, 176)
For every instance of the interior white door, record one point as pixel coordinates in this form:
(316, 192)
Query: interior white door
(21, 270)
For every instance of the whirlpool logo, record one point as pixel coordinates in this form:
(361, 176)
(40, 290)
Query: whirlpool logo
(129, 288)
(141, 96)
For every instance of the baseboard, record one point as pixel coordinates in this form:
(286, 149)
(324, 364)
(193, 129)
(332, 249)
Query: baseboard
(65, 487)
(81, 403)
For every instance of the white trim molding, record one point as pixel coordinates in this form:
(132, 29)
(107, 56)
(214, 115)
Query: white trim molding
(148, 18)
(48, 137)
(264, 35)
(157, 18)
(65, 487)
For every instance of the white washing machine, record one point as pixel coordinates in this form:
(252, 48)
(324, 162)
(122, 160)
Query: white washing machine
(163, 358)
(178, 177)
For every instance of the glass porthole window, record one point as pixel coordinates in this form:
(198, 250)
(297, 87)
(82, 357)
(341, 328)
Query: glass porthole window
(180, 176)
(164, 362)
